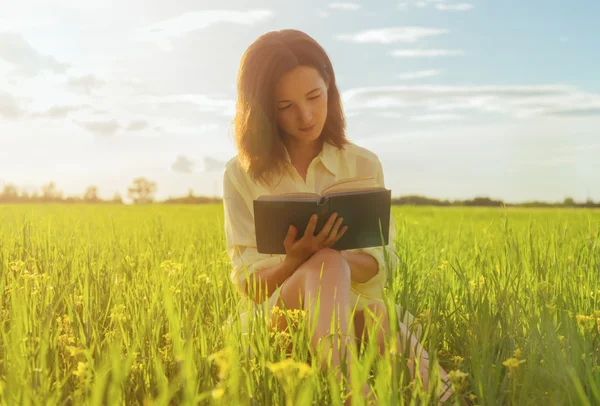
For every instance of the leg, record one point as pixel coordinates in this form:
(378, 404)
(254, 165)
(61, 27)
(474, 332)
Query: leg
(332, 285)
(374, 319)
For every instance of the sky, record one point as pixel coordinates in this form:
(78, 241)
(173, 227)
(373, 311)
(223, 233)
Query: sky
(458, 98)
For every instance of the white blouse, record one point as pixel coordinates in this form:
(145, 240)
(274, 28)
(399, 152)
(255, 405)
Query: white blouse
(332, 164)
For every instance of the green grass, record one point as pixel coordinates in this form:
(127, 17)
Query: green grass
(127, 305)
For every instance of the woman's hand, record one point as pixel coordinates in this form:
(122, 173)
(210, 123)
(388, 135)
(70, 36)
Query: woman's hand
(306, 246)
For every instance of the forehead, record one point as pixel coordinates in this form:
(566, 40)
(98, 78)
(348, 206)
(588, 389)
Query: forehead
(298, 82)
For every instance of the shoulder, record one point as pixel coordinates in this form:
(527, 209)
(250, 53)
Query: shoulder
(233, 175)
(361, 152)
(363, 160)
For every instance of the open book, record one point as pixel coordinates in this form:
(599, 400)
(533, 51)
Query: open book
(364, 206)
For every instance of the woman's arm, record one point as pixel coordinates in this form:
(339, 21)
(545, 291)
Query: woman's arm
(363, 266)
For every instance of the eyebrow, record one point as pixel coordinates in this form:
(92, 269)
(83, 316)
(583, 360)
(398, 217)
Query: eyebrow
(318, 88)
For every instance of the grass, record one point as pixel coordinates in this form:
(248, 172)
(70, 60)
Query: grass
(128, 305)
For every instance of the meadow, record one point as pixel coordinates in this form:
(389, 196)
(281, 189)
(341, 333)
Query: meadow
(113, 304)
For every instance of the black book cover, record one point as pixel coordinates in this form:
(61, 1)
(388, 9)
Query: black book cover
(363, 212)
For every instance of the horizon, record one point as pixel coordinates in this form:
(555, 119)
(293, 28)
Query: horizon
(456, 103)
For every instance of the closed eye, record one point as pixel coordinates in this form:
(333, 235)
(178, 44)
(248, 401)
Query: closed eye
(310, 98)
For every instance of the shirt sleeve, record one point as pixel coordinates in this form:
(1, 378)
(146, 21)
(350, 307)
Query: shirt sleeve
(373, 286)
(240, 233)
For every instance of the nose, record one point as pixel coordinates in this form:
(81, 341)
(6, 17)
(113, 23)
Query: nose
(306, 115)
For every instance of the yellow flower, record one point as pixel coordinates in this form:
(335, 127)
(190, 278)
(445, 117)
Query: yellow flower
(517, 353)
(221, 358)
(583, 319)
(218, 393)
(286, 368)
(512, 363)
(458, 359)
(457, 375)
(171, 267)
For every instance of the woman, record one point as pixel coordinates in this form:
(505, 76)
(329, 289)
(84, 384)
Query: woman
(290, 137)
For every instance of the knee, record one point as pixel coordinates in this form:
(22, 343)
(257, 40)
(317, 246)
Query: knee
(329, 265)
(331, 260)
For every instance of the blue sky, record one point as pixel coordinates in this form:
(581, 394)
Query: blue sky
(458, 98)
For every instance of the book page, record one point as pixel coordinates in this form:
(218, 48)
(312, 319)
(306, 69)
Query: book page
(291, 196)
(351, 184)
(353, 191)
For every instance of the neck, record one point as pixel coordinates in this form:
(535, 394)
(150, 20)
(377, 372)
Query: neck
(302, 154)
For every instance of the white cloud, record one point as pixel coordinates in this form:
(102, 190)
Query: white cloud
(58, 111)
(454, 7)
(177, 27)
(137, 125)
(419, 74)
(85, 84)
(516, 101)
(392, 35)
(183, 164)
(321, 13)
(9, 106)
(437, 117)
(27, 61)
(100, 128)
(345, 6)
(425, 53)
(442, 5)
(224, 107)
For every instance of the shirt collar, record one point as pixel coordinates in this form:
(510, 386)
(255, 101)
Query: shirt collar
(328, 156)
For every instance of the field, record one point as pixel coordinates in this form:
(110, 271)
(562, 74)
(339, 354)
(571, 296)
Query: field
(128, 305)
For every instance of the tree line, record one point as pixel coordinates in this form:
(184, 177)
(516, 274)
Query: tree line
(142, 191)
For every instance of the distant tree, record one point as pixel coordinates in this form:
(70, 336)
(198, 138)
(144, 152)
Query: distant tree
(49, 192)
(191, 193)
(569, 202)
(142, 191)
(91, 194)
(117, 198)
(10, 192)
(24, 194)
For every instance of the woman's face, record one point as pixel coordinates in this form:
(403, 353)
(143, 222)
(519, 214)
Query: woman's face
(301, 102)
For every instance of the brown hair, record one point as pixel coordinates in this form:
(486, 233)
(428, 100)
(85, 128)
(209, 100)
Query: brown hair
(261, 151)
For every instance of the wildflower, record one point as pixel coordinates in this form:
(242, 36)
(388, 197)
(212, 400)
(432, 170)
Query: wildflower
(83, 372)
(512, 363)
(457, 375)
(130, 261)
(221, 358)
(118, 313)
(284, 369)
(517, 353)
(218, 393)
(444, 265)
(458, 359)
(171, 267)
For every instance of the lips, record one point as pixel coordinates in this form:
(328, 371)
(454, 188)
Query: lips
(308, 128)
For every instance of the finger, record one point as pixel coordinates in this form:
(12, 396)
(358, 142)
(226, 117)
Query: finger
(290, 237)
(312, 224)
(334, 230)
(340, 234)
(327, 227)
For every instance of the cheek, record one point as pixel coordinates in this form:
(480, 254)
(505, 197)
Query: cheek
(285, 119)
